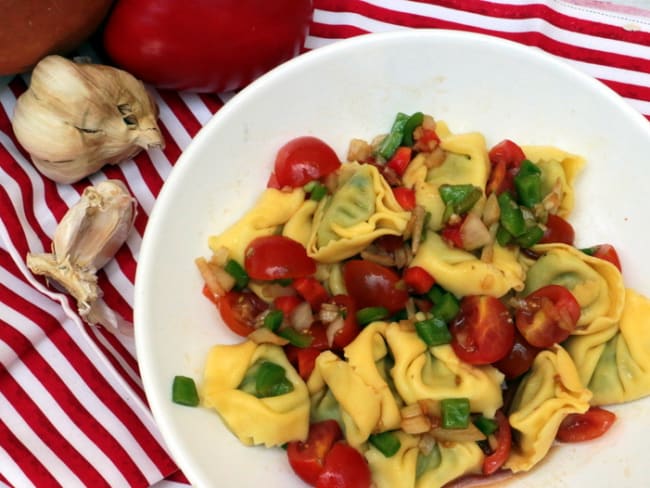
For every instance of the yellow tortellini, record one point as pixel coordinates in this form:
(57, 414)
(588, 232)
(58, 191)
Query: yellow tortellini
(550, 391)
(409, 468)
(466, 162)
(271, 211)
(614, 363)
(557, 166)
(596, 284)
(361, 209)
(271, 421)
(436, 373)
(462, 273)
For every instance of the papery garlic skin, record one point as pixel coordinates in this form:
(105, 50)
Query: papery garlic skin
(88, 236)
(77, 117)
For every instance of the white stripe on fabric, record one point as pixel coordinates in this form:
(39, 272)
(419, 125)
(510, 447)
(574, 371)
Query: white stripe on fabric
(22, 430)
(196, 106)
(12, 472)
(172, 123)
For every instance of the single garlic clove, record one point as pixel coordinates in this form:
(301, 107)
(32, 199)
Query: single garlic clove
(92, 231)
(88, 236)
(77, 117)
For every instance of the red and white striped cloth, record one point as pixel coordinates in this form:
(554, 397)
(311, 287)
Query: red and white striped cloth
(72, 407)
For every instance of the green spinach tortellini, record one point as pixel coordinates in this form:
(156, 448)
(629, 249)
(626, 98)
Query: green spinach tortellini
(271, 420)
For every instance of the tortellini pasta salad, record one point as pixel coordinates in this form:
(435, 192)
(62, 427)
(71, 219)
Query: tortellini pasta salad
(418, 314)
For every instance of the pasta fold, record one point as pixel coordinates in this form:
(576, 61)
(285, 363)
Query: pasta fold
(271, 421)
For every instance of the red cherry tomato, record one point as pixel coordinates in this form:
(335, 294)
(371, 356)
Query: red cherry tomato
(506, 158)
(277, 257)
(345, 467)
(558, 230)
(302, 160)
(482, 331)
(547, 316)
(373, 285)
(207, 46)
(405, 197)
(308, 458)
(239, 310)
(494, 461)
(579, 427)
(451, 235)
(350, 328)
(608, 253)
(519, 359)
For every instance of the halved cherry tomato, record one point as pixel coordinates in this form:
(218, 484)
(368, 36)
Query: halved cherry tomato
(400, 160)
(302, 160)
(302, 358)
(344, 467)
(319, 334)
(425, 139)
(608, 253)
(519, 359)
(239, 310)
(351, 327)
(311, 290)
(405, 197)
(308, 458)
(547, 316)
(418, 279)
(389, 243)
(373, 285)
(579, 427)
(558, 230)
(506, 158)
(482, 331)
(277, 257)
(494, 461)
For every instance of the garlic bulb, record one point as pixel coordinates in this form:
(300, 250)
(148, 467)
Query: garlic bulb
(87, 237)
(77, 117)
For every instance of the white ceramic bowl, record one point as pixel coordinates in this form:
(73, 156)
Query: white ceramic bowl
(353, 89)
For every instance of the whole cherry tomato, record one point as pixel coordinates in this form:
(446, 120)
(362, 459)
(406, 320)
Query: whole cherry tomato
(373, 285)
(547, 316)
(302, 160)
(519, 359)
(606, 252)
(482, 331)
(277, 257)
(204, 45)
(579, 427)
(558, 230)
(308, 458)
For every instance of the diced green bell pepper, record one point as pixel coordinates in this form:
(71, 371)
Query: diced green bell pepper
(433, 331)
(386, 442)
(455, 413)
(392, 141)
(184, 391)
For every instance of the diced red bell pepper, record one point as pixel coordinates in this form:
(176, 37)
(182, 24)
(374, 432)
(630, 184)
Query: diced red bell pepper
(286, 303)
(418, 279)
(400, 160)
(405, 197)
(452, 235)
(311, 290)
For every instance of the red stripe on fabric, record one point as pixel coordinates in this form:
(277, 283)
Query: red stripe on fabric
(67, 398)
(29, 464)
(40, 423)
(328, 31)
(17, 173)
(181, 111)
(85, 368)
(172, 151)
(212, 101)
(113, 297)
(530, 38)
(628, 90)
(149, 173)
(542, 11)
(12, 224)
(178, 477)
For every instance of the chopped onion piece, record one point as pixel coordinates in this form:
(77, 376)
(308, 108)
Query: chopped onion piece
(426, 444)
(216, 278)
(491, 210)
(470, 434)
(416, 425)
(333, 328)
(410, 411)
(474, 233)
(301, 317)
